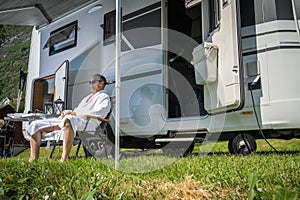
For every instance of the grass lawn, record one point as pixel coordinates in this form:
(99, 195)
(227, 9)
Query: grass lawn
(205, 175)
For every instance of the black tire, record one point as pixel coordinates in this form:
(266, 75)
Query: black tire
(178, 149)
(242, 143)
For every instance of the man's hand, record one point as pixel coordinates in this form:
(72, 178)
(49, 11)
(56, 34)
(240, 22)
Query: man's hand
(62, 115)
(67, 112)
(72, 113)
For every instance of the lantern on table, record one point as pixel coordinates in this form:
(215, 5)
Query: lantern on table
(58, 106)
(48, 108)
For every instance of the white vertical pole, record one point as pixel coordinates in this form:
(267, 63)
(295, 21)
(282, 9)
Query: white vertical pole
(296, 19)
(117, 83)
(19, 100)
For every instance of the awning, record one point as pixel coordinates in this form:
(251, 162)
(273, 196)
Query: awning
(37, 12)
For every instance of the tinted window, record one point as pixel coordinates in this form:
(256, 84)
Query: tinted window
(297, 5)
(62, 39)
(144, 37)
(109, 27)
(247, 12)
(284, 10)
(214, 14)
(257, 11)
(269, 12)
(136, 38)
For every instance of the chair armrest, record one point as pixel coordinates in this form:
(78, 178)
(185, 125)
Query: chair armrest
(97, 118)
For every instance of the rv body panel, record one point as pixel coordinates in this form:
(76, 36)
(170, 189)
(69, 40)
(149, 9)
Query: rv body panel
(269, 52)
(284, 95)
(42, 64)
(90, 55)
(33, 70)
(272, 48)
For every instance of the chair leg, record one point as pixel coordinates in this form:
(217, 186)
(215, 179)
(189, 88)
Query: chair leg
(53, 149)
(77, 150)
(55, 144)
(9, 152)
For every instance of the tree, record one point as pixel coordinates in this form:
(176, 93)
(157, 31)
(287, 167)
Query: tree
(2, 34)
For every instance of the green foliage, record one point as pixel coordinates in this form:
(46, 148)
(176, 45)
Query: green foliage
(14, 53)
(254, 191)
(221, 175)
(2, 34)
(284, 194)
(53, 180)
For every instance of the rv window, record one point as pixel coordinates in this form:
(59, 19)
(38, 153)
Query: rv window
(247, 13)
(284, 10)
(146, 17)
(62, 39)
(256, 12)
(297, 6)
(143, 37)
(214, 12)
(109, 27)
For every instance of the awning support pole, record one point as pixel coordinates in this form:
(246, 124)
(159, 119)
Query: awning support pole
(117, 83)
(296, 20)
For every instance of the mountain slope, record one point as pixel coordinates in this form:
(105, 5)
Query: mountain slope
(14, 53)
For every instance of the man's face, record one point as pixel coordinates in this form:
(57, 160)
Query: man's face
(96, 85)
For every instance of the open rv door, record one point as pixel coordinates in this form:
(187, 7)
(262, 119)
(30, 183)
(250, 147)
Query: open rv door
(61, 83)
(218, 60)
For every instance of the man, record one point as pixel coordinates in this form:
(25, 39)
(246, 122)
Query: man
(97, 104)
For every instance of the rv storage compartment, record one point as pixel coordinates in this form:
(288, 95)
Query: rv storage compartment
(205, 58)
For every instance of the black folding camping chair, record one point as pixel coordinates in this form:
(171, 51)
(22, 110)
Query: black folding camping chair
(6, 140)
(97, 143)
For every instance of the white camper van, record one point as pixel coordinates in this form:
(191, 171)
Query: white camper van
(191, 70)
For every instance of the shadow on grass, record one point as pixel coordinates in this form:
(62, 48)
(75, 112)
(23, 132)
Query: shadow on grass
(209, 153)
(278, 152)
(256, 153)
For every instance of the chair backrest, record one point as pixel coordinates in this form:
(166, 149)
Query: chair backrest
(112, 105)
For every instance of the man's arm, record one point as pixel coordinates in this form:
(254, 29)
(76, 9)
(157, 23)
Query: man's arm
(97, 118)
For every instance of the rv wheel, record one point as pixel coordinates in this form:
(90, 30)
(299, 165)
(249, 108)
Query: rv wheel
(242, 143)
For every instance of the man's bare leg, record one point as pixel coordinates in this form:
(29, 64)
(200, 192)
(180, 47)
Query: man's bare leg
(35, 142)
(68, 140)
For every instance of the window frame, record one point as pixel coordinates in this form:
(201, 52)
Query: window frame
(110, 18)
(109, 34)
(64, 43)
(214, 15)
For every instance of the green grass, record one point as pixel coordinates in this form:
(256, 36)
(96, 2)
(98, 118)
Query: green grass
(217, 175)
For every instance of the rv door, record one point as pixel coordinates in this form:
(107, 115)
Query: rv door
(217, 60)
(61, 81)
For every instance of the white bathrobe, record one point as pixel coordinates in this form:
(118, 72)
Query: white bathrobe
(94, 104)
